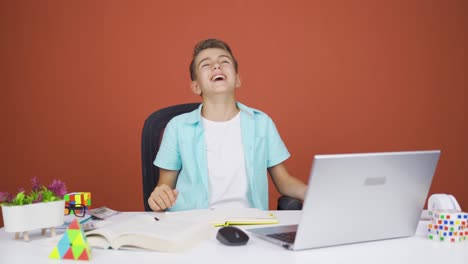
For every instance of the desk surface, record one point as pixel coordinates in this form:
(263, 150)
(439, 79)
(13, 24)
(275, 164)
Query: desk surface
(415, 249)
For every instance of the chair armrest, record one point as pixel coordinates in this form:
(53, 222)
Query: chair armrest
(289, 203)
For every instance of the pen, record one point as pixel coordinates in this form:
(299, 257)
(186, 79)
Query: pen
(155, 218)
(85, 220)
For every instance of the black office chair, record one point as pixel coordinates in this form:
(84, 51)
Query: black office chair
(153, 129)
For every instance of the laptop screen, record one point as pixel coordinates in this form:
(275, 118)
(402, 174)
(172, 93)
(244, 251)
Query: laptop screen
(362, 197)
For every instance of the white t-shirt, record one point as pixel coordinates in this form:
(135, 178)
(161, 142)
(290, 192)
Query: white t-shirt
(227, 175)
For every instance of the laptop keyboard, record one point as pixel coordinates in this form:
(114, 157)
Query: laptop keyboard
(286, 237)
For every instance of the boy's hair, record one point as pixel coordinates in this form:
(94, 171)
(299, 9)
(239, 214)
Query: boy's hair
(208, 44)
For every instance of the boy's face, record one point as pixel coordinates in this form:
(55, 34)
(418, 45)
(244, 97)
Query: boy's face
(215, 73)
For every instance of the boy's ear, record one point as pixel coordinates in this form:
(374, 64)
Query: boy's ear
(196, 88)
(238, 81)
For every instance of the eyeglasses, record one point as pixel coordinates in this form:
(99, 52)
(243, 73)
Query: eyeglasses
(78, 209)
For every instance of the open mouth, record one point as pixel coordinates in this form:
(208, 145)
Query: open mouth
(218, 77)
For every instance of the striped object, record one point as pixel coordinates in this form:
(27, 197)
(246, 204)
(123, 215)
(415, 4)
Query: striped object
(448, 226)
(78, 198)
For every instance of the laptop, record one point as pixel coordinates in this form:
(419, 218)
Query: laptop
(362, 197)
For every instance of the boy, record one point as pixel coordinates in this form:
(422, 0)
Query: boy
(219, 154)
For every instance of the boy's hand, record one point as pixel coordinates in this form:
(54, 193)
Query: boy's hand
(162, 197)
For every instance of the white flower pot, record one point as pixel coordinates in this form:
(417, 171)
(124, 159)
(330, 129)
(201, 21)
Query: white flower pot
(24, 218)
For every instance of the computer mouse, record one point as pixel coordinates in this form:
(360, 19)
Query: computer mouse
(232, 236)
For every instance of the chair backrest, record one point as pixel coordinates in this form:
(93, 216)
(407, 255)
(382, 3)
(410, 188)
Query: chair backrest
(150, 141)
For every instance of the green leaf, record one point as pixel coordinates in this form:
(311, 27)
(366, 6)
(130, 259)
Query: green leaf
(19, 199)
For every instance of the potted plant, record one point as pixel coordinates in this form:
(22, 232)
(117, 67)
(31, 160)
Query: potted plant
(41, 208)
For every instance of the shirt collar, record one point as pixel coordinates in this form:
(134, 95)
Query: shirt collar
(195, 116)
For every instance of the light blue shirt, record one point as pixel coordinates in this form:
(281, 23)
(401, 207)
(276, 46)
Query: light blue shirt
(183, 148)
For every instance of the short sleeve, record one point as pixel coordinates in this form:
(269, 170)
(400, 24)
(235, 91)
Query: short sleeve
(168, 156)
(277, 151)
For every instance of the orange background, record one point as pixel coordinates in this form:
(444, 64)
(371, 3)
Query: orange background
(78, 78)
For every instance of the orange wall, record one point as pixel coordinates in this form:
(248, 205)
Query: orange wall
(78, 78)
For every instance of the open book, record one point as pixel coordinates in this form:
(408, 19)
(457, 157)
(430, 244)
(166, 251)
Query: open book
(144, 231)
(171, 231)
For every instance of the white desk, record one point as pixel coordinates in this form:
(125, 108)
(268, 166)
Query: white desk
(416, 249)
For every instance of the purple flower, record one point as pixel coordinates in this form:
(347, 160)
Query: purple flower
(36, 185)
(38, 194)
(58, 187)
(4, 197)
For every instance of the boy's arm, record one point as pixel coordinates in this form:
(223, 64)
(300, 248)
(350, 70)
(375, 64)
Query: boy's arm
(164, 195)
(287, 184)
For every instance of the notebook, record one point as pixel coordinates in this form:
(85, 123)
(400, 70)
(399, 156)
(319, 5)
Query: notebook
(359, 197)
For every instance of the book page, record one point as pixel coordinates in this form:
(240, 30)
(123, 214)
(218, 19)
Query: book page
(102, 237)
(145, 232)
(186, 237)
(98, 241)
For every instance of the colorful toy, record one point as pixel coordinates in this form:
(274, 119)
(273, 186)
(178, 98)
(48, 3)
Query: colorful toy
(78, 198)
(73, 244)
(448, 226)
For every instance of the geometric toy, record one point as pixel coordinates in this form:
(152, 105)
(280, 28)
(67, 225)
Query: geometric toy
(78, 198)
(448, 226)
(73, 244)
